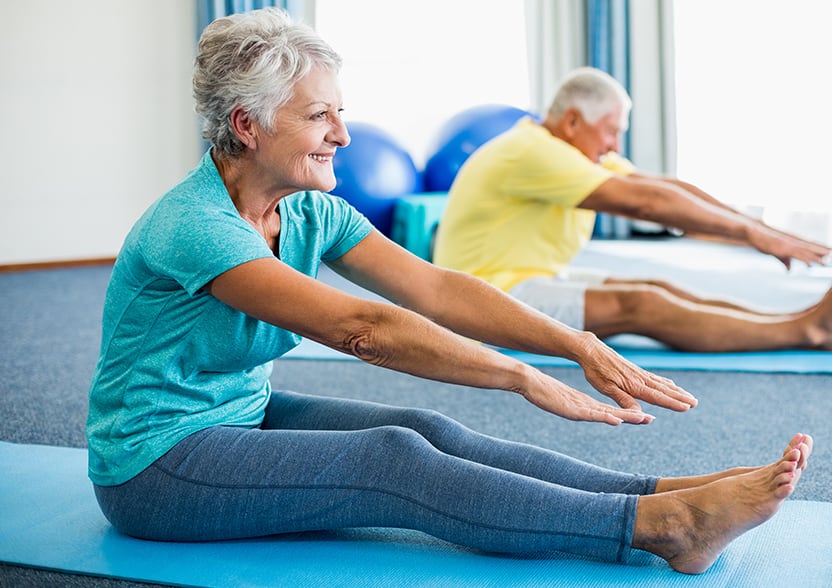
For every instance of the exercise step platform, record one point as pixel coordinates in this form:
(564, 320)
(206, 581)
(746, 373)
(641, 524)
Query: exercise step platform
(415, 220)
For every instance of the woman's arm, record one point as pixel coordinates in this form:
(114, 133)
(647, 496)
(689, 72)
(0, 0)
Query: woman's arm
(475, 309)
(393, 337)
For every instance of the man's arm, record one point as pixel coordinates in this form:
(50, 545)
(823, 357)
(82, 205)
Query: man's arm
(687, 187)
(671, 204)
(700, 193)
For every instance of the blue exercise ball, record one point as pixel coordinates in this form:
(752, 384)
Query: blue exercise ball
(373, 172)
(460, 136)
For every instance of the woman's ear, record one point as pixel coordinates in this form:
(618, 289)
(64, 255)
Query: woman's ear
(244, 127)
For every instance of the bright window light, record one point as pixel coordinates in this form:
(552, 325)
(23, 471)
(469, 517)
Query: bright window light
(410, 66)
(753, 111)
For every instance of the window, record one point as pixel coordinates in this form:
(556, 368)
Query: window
(410, 66)
(753, 110)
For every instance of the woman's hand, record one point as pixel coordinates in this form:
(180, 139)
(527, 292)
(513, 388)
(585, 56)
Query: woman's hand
(626, 383)
(613, 376)
(559, 399)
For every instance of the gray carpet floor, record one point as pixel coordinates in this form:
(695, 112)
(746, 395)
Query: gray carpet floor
(50, 325)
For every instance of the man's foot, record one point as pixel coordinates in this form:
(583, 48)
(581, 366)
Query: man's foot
(819, 324)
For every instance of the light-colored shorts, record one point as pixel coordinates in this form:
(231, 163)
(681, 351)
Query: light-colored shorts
(562, 297)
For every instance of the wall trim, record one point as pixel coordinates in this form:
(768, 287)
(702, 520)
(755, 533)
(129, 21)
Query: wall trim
(46, 265)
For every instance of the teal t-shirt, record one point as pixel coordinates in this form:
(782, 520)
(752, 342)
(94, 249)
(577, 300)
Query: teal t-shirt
(174, 359)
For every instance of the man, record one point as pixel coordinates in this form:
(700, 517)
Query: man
(524, 205)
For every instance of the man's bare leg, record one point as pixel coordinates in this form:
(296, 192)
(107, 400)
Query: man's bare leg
(691, 297)
(657, 313)
(690, 528)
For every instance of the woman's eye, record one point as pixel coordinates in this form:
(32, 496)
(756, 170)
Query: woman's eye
(325, 114)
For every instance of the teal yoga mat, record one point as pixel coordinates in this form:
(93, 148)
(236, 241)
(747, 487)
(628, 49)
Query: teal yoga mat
(710, 270)
(653, 357)
(49, 519)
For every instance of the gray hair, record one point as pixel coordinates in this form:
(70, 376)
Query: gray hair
(594, 93)
(252, 60)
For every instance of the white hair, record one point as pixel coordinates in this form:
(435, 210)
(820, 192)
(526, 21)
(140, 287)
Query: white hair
(594, 93)
(252, 60)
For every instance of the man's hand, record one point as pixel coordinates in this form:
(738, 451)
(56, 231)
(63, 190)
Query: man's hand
(786, 247)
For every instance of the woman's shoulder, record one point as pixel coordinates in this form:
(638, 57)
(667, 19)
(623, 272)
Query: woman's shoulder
(198, 197)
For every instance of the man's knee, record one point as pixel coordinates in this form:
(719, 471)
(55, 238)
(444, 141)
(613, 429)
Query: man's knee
(644, 299)
(619, 302)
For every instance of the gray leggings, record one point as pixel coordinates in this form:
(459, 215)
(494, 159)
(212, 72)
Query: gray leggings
(326, 463)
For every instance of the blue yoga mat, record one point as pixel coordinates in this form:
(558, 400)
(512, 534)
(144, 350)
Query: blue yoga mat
(708, 269)
(49, 519)
(653, 357)
(789, 361)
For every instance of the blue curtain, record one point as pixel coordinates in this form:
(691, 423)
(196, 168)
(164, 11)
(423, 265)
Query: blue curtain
(608, 49)
(208, 10)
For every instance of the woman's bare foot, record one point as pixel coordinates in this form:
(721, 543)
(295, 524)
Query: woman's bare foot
(690, 528)
(804, 443)
(681, 483)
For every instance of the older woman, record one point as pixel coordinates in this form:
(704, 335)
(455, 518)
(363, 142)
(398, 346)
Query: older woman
(188, 442)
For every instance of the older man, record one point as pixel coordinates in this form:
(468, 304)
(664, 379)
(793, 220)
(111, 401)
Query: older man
(524, 205)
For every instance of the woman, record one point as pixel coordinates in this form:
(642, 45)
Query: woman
(188, 442)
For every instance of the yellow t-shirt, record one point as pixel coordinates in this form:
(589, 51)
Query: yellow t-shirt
(511, 211)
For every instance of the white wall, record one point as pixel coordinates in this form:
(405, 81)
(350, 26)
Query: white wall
(97, 121)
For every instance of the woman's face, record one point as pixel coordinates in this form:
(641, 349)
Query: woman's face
(307, 131)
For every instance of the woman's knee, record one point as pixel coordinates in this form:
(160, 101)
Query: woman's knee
(398, 439)
(437, 428)
(423, 418)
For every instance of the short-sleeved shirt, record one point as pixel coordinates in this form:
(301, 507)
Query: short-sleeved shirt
(512, 209)
(173, 358)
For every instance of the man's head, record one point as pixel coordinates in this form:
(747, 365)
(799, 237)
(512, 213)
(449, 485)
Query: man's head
(590, 111)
